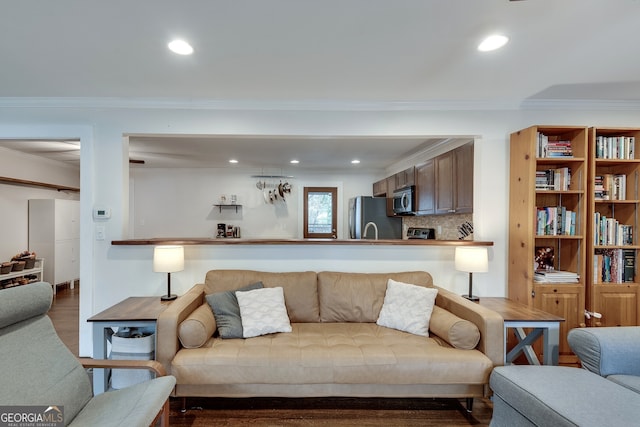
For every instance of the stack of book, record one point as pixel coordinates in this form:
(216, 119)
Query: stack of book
(608, 231)
(614, 265)
(555, 276)
(555, 221)
(610, 187)
(553, 179)
(615, 147)
(553, 147)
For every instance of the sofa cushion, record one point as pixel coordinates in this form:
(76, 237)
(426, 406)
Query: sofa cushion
(632, 382)
(331, 353)
(263, 312)
(358, 297)
(407, 307)
(559, 396)
(196, 329)
(300, 288)
(227, 312)
(458, 332)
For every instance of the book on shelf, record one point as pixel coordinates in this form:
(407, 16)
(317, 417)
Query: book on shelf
(555, 221)
(552, 147)
(553, 179)
(608, 231)
(610, 187)
(615, 147)
(555, 276)
(614, 265)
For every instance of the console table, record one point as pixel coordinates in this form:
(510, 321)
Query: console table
(132, 312)
(519, 317)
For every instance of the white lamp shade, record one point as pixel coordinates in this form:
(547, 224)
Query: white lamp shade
(472, 259)
(168, 259)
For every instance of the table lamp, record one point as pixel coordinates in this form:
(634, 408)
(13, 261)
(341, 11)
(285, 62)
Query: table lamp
(472, 259)
(168, 259)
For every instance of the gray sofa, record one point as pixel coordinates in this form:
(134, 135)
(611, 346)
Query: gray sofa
(606, 392)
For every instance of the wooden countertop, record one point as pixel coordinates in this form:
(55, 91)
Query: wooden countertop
(232, 241)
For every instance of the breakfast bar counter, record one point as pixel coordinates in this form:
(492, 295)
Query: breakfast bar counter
(235, 241)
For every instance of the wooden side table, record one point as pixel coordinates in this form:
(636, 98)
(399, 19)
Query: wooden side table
(518, 316)
(132, 312)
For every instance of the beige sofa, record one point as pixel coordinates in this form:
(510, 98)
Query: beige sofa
(335, 347)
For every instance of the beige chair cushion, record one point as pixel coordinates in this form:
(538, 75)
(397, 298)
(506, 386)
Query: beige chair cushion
(458, 332)
(196, 329)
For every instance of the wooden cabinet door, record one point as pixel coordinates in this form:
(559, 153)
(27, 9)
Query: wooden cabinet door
(426, 188)
(566, 301)
(444, 169)
(463, 175)
(618, 305)
(391, 187)
(380, 188)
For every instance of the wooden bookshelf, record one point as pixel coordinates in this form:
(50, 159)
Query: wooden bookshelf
(615, 298)
(566, 300)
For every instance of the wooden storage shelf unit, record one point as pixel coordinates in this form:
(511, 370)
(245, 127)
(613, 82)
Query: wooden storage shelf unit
(615, 296)
(529, 229)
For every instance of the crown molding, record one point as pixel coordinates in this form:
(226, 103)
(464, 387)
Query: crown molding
(117, 103)
(581, 104)
(251, 105)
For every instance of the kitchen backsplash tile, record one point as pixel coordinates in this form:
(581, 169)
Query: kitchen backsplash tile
(448, 227)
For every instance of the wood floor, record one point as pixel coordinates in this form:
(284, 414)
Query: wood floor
(315, 412)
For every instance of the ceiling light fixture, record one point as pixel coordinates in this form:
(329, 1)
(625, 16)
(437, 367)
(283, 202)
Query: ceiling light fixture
(355, 162)
(180, 47)
(294, 162)
(493, 42)
(234, 161)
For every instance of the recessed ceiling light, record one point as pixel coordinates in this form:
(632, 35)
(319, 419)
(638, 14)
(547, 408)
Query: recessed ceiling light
(294, 161)
(234, 161)
(180, 47)
(493, 42)
(355, 161)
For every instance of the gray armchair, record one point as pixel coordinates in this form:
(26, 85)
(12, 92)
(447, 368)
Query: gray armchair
(611, 352)
(37, 369)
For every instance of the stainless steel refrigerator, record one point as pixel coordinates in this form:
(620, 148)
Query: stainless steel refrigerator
(366, 209)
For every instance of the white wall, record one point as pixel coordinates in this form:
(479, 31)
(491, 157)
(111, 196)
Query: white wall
(111, 273)
(14, 199)
(187, 196)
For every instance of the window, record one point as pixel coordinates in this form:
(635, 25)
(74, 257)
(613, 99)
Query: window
(320, 212)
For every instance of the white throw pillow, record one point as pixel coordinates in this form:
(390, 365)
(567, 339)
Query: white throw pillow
(407, 307)
(263, 312)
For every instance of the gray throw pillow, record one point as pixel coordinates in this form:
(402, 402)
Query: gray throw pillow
(227, 311)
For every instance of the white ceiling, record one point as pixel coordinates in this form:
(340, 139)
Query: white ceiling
(323, 54)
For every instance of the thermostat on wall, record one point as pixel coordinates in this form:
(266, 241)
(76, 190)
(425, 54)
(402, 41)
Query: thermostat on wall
(101, 213)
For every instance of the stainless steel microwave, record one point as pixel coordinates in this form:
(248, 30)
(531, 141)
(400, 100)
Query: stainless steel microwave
(404, 201)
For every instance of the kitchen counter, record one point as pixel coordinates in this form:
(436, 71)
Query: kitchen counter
(232, 241)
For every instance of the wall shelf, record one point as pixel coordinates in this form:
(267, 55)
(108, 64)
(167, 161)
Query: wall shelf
(228, 206)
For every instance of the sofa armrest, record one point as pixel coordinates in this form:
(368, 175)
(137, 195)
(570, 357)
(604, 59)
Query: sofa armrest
(167, 342)
(490, 323)
(607, 350)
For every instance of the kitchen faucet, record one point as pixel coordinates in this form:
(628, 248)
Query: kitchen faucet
(366, 228)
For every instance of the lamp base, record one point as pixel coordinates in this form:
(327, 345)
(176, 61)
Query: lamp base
(471, 298)
(168, 297)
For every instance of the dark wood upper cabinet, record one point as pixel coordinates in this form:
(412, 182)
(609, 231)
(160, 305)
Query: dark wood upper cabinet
(425, 188)
(444, 184)
(454, 181)
(464, 178)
